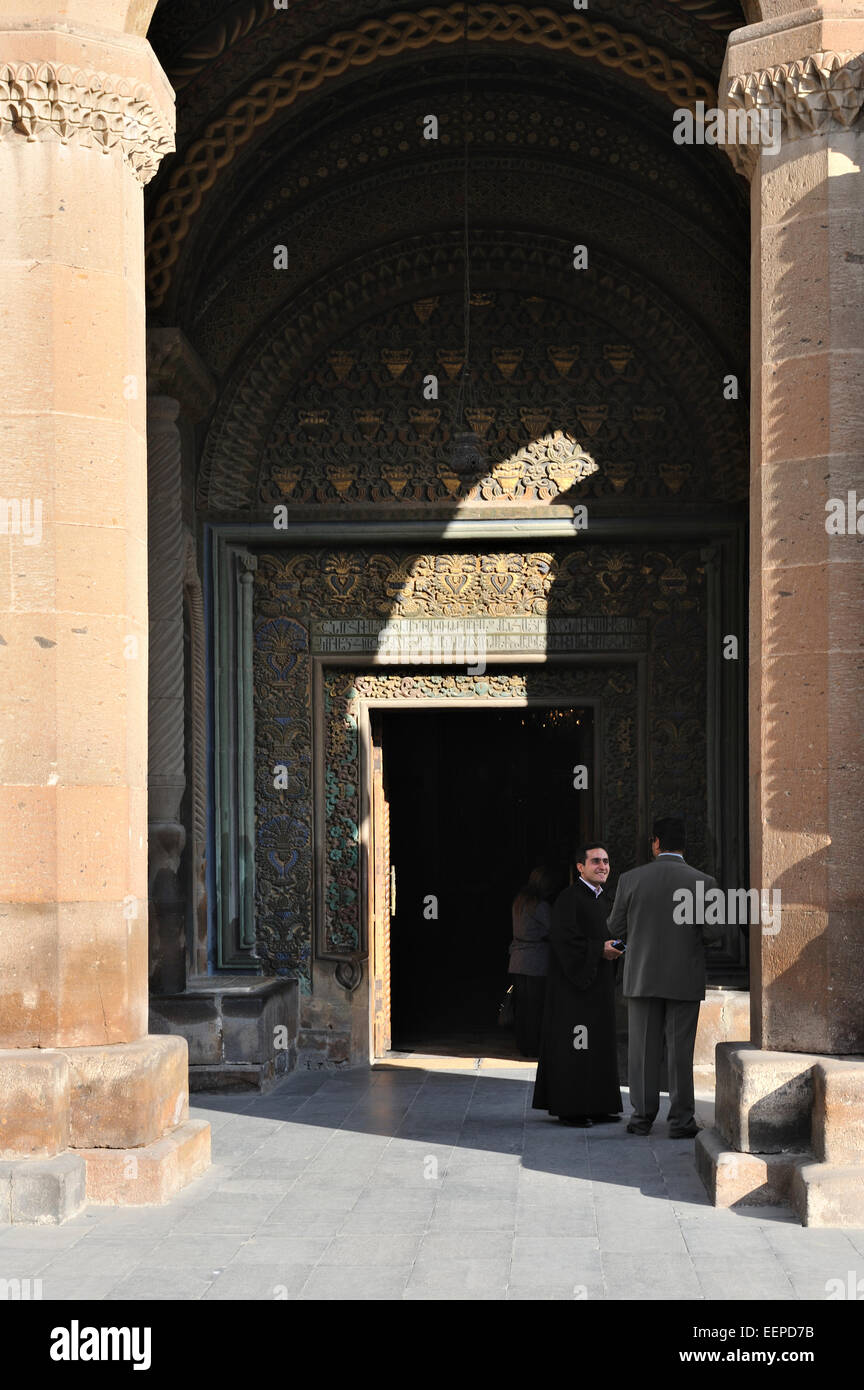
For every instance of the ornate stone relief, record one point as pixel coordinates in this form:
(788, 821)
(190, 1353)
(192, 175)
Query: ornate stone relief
(293, 589)
(580, 144)
(192, 57)
(555, 410)
(676, 259)
(382, 39)
(811, 94)
(238, 460)
(46, 101)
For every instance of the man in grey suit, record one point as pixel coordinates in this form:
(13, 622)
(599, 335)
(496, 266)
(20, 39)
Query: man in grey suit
(664, 977)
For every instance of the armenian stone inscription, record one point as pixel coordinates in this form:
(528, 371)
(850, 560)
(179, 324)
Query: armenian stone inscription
(386, 639)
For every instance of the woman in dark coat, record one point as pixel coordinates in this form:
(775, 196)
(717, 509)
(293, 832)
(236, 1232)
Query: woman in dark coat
(529, 955)
(577, 1076)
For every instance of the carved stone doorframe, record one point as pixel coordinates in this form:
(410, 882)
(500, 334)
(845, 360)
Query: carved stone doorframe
(283, 840)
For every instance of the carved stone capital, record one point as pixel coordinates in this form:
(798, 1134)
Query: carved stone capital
(99, 110)
(175, 369)
(811, 96)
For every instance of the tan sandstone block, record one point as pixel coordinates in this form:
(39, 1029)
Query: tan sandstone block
(34, 1103)
(93, 308)
(810, 997)
(838, 1110)
(27, 703)
(763, 1099)
(51, 214)
(795, 275)
(5, 573)
(845, 705)
(794, 692)
(796, 418)
(792, 798)
(28, 974)
(791, 188)
(843, 1029)
(847, 276)
(127, 1095)
(90, 560)
(734, 1179)
(90, 467)
(843, 858)
(150, 1175)
(101, 974)
(28, 850)
(80, 468)
(137, 852)
(120, 19)
(92, 833)
(724, 1016)
(794, 494)
(807, 29)
(93, 725)
(64, 309)
(795, 599)
(34, 571)
(829, 1195)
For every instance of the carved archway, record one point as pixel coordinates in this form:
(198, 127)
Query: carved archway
(248, 16)
(384, 40)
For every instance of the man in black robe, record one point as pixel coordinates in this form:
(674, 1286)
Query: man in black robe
(577, 1075)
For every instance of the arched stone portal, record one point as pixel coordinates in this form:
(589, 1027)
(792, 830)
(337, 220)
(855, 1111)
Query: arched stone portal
(303, 130)
(603, 387)
(324, 158)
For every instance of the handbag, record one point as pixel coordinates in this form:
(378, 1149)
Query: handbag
(507, 1009)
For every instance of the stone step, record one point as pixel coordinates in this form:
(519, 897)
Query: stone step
(732, 1178)
(42, 1191)
(151, 1174)
(828, 1194)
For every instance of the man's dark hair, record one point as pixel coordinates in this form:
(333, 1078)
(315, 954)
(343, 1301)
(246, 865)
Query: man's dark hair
(671, 832)
(583, 851)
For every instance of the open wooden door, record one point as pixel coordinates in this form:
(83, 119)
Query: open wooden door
(383, 894)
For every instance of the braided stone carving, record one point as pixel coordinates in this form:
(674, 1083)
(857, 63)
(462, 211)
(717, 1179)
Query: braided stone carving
(223, 34)
(95, 109)
(380, 39)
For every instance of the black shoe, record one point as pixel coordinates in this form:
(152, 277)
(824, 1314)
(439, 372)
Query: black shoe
(687, 1132)
(642, 1129)
(577, 1121)
(605, 1119)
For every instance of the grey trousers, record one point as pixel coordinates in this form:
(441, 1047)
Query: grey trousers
(648, 1020)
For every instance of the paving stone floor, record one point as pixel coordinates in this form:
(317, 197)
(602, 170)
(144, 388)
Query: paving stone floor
(405, 1182)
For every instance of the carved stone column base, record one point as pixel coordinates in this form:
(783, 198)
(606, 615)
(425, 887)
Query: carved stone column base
(91, 1097)
(102, 1124)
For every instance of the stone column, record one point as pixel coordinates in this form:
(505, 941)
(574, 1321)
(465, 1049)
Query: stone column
(177, 379)
(86, 115)
(789, 1093)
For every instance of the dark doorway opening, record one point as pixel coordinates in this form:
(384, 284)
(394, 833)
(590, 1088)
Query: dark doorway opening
(477, 799)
